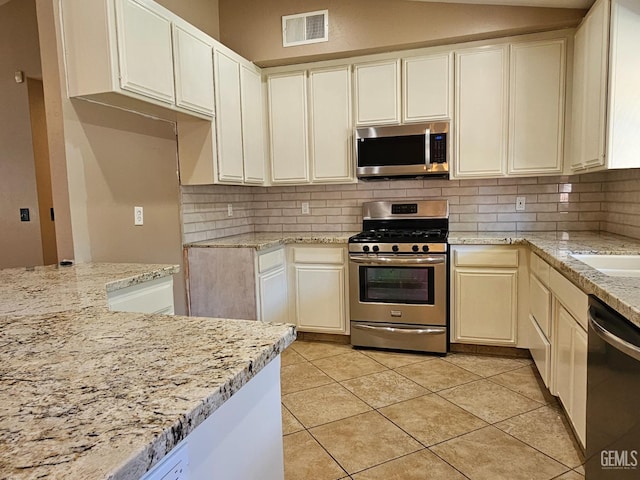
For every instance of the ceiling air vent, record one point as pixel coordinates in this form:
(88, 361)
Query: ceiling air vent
(304, 28)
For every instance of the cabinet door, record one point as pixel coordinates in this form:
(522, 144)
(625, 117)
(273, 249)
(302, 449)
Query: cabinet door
(273, 296)
(578, 97)
(475, 319)
(536, 104)
(481, 96)
(330, 124)
(228, 119)
(252, 125)
(540, 304)
(319, 298)
(145, 51)
(563, 356)
(427, 92)
(377, 92)
(288, 127)
(193, 63)
(579, 364)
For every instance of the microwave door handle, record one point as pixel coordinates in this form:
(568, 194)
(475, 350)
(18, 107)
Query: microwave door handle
(427, 146)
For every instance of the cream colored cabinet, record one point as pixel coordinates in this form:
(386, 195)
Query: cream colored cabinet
(606, 116)
(319, 289)
(193, 69)
(287, 94)
(427, 88)
(253, 125)
(536, 107)
(484, 295)
(272, 287)
(540, 326)
(153, 296)
(481, 112)
(136, 54)
(377, 92)
(330, 125)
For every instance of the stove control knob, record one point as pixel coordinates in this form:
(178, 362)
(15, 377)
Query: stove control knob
(425, 248)
(376, 248)
(415, 248)
(395, 248)
(365, 248)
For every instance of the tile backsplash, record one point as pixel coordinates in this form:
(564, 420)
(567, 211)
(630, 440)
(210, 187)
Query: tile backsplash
(597, 201)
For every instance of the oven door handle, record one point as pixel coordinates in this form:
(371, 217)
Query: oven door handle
(398, 260)
(405, 331)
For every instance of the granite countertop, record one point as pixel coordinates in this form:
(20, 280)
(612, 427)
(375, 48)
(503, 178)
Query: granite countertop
(87, 393)
(620, 293)
(265, 241)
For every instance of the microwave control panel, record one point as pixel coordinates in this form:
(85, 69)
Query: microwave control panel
(438, 148)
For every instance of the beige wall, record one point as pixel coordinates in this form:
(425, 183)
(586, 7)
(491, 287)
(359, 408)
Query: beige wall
(201, 13)
(253, 28)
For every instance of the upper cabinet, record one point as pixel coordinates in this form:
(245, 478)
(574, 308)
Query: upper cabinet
(518, 90)
(253, 124)
(377, 92)
(427, 88)
(137, 49)
(606, 100)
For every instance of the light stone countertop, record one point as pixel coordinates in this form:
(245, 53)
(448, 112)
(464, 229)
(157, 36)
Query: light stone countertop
(267, 240)
(90, 394)
(620, 293)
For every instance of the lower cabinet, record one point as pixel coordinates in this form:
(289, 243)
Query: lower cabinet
(272, 287)
(484, 295)
(153, 296)
(319, 288)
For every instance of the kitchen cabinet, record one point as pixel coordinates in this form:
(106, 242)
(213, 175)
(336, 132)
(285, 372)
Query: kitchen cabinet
(540, 305)
(153, 296)
(606, 115)
(377, 92)
(318, 285)
(272, 287)
(287, 94)
(427, 88)
(484, 295)
(136, 54)
(330, 125)
(253, 125)
(481, 114)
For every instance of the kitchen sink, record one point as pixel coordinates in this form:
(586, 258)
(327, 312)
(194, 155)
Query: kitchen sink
(613, 265)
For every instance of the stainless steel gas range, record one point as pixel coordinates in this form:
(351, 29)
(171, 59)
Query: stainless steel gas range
(398, 281)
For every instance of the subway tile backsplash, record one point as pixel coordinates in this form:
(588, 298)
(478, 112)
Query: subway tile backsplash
(608, 201)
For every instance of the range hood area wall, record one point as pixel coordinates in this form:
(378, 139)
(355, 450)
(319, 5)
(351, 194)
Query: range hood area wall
(596, 201)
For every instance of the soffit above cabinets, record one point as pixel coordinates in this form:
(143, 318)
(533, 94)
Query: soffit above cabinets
(523, 3)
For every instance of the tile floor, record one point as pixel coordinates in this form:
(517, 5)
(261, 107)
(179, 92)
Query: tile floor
(369, 415)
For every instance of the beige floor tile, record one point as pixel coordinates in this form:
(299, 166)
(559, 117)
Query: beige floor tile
(527, 382)
(364, 441)
(304, 459)
(570, 475)
(396, 359)
(437, 374)
(316, 350)
(490, 454)
(489, 401)
(290, 356)
(580, 470)
(422, 465)
(485, 365)
(547, 430)
(301, 376)
(325, 404)
(384, 388)
(289, 422)
(431, 419)
(349, 365)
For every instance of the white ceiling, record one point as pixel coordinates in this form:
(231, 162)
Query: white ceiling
(524, 3)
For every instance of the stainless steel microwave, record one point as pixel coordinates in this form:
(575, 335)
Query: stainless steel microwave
(405, 151)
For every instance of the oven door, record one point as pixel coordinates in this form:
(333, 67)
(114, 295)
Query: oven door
(408, 289)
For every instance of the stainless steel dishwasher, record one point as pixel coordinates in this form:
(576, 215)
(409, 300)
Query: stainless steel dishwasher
(613, 395)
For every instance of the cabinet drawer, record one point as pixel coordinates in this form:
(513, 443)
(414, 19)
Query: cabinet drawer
(540, 351)
(486, 258)
(318, 255)
(540, 305)
(540, 268)
(267, 261)
(154, 296)
(574, 299)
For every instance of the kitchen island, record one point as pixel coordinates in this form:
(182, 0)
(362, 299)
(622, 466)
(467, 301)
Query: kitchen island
(89, 394)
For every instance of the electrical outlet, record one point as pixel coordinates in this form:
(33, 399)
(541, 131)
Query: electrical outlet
(229, 210)
(520, 204)
(24, 215)
(305, 208)
(138, 216)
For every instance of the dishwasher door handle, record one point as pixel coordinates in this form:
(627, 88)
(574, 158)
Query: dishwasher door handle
(599, 326)
(405, 331)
